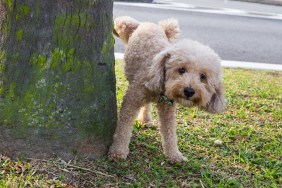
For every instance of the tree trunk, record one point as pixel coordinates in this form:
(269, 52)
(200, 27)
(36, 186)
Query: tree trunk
(57, 78)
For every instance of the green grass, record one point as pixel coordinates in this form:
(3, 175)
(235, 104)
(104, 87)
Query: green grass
(250, 155)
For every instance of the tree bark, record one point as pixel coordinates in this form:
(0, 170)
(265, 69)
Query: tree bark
(57, 80)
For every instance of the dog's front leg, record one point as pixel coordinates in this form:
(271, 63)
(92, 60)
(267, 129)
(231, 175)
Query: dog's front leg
(132, 101)
(167, 118)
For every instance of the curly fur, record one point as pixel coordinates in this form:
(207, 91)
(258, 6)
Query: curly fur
(124, 26)
(155, 65)
(170, 27)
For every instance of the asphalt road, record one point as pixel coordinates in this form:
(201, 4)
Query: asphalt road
(237, 38)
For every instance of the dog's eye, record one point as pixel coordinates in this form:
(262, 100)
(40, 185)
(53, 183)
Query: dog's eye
(203, 77)
(181, 70)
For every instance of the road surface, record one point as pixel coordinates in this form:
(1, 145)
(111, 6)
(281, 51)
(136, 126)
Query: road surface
(252, 37)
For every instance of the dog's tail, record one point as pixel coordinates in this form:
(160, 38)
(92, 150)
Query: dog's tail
(124, 26)
(170, 27)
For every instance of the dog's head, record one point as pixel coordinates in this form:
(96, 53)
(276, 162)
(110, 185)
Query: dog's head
(190, 74)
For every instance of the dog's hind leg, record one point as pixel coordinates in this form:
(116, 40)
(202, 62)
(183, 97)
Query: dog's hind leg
(167, 118)
(132, 102)
(144, 116)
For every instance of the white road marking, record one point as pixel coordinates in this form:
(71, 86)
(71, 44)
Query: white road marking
(234, 64)
(192, 8)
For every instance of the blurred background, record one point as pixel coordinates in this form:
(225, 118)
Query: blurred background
(246, 30)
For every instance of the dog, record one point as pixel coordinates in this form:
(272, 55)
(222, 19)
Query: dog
(163, 72)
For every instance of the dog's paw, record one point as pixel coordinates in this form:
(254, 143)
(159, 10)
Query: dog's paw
(147, 124)
(177, 157)
(145, 120)
(117, 154)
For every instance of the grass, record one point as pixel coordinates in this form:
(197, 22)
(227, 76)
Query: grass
(250, 154)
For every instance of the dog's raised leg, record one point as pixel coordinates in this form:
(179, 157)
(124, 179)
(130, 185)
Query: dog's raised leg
(167, 118)
(144, 116)
(132, 101)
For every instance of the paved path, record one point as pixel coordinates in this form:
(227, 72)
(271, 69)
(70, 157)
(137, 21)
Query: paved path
(234, 37)
(226, 4)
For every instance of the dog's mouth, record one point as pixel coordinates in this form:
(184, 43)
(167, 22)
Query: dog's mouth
(195, 100)
(185, 102)
(187, 98)
(188, 101)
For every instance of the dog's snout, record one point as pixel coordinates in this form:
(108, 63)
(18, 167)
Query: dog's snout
(189, 92)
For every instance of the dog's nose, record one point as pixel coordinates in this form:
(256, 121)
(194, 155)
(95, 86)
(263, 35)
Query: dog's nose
(189, 92)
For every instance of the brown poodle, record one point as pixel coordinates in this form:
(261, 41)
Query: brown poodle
(165, 73)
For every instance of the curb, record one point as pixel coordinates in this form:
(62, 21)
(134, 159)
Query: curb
(234, 64)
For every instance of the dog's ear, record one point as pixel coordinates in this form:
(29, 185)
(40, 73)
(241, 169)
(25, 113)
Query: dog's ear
(217, 103)
(156, 74)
